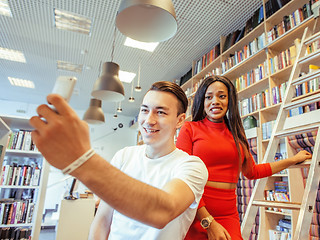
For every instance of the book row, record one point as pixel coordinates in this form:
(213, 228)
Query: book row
(307, 141)
(308, 86)
(315, 218)
(20, 175)
(304, 109)
(274, 5)
(21, 140)
(289, 22)
(283, 59)
(16, 212)
(251, 23)
(256, 219)
(278, 93)
(253, 144)
(256, 102)
(244, 191)
(253, 236)
(265, 99)
(206, 59)
(272, 195)
(192, 90)
(313, 47)
(314, 231)
(18, 233)
(278, 156)
(279, 235)
(248, 50)
(246, 183)
(267, 128)
(252, 76)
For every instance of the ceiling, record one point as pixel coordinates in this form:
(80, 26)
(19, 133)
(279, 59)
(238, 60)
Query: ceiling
(31, 30)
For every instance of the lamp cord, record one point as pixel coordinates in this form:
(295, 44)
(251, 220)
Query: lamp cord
(139, 75)
(99, 69)
(132, 87)
(114, 42)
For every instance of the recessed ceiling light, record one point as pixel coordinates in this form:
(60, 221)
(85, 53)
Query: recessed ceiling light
(12, 55)
(148, 46)
(72, 22)
(68, 66)
(21, 82)
(5, 9)
(126, 77)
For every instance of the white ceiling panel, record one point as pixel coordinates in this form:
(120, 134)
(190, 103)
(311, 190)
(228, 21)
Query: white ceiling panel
(32, 31)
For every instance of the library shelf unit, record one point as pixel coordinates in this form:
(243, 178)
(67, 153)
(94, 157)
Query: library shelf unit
(272, 79)
(26, 191)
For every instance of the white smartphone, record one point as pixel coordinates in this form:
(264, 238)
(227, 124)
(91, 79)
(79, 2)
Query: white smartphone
(64, 86)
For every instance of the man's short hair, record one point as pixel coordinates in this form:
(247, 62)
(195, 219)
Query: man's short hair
(166, 86)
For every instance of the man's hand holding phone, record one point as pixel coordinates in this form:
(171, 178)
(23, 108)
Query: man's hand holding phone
(63, 137)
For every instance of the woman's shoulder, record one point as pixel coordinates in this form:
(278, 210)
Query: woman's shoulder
(194, 123)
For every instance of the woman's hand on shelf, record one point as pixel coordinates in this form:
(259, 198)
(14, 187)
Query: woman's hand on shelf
(301, 156)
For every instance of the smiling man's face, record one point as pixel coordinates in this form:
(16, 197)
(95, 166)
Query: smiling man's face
(158, 119)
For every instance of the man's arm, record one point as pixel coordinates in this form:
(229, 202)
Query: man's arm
(100, 227)
(134, 198)
(63, 137)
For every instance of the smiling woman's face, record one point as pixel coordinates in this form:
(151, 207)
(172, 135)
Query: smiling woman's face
(216, 101)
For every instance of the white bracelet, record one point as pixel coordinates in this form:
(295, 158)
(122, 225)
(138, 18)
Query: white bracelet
(77, 163)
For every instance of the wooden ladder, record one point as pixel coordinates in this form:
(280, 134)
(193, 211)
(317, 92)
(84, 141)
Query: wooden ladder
(306, 207)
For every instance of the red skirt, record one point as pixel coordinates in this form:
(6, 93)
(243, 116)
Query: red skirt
(221, 204)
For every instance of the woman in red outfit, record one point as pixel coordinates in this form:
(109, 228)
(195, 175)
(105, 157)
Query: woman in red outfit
(216, 135)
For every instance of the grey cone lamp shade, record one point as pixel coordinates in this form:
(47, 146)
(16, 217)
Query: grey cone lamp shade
(108, 86)
(94, 114)
(147, 20)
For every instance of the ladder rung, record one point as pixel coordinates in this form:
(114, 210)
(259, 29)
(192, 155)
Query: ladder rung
(312, 38)
(276, 204)
(304, 164)
(309, 57)
(303, 101)
(297, 130)
(306, 77)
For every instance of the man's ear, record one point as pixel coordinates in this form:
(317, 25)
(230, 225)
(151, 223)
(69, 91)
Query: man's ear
(181, 119)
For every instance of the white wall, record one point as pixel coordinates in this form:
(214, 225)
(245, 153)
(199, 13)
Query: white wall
(104, 139)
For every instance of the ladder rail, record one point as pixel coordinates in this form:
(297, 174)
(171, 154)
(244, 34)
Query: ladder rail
(309, 196)
(258, 190)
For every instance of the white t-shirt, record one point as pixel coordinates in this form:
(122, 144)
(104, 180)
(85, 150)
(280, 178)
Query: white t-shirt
(157, 172)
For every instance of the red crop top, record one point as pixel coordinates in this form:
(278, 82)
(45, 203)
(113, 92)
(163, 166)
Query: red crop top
(214, 144)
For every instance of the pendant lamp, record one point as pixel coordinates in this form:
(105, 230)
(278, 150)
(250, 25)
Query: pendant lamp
(138, 87)
(119, 109)
(131, 98)
(94, 114)
(108, 86)
(147, 20)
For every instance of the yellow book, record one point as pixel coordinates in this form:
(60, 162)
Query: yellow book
(293, 54)
(313, 68)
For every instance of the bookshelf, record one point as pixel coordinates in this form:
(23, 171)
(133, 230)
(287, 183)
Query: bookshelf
(276, 43)
(24, 178)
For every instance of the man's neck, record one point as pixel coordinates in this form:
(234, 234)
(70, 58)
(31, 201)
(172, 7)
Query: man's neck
(157, 152)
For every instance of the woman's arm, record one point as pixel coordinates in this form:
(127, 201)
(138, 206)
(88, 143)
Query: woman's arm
(285, 163)
(255, 171)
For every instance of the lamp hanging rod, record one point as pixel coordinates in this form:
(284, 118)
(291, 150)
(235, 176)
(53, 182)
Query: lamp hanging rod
(114, 42)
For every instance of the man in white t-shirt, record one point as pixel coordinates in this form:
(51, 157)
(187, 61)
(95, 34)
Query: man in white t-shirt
(149, 191)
